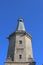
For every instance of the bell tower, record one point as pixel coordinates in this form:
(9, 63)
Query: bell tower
(20, 47)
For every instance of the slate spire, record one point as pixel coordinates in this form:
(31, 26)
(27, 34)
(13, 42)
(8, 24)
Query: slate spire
(20, 26)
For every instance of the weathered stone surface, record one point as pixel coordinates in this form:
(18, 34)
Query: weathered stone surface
(20, 47)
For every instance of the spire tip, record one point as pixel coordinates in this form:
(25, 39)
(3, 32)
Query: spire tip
(20, 20)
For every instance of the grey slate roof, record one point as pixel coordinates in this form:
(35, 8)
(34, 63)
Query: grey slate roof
(21, 26)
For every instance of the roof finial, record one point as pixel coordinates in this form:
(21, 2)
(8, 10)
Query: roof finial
(20, 20)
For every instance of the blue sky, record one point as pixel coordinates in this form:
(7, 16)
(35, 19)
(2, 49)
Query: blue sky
(32, 13)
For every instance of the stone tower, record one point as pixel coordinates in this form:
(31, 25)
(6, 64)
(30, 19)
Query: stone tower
(20, 47)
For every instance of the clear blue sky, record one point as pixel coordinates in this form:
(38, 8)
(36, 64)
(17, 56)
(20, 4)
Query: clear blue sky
(32, 13)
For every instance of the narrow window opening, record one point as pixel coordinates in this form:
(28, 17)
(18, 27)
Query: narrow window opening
(20, 42)
(20, 56)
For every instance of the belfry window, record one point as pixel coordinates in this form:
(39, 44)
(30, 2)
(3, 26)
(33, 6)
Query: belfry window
(20, 41)
(20, 56)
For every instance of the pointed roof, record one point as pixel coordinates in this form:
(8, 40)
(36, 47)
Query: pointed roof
(20, 29)
(20, 26)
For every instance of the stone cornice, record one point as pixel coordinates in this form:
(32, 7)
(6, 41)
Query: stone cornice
(20, 32)
(19, 62)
